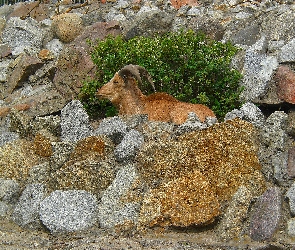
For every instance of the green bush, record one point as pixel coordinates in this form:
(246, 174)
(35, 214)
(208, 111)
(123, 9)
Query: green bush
(189, 66)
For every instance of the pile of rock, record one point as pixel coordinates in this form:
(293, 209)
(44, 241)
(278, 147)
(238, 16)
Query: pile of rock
(128, 174)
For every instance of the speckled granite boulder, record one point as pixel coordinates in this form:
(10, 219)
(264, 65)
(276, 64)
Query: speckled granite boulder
(68, 211)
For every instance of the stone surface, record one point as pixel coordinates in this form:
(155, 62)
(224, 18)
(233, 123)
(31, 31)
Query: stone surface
(287, 52)
(248, 112)
(291, 196)
(25, 66)
(186, 201)
(258, 69)
(266, 214)
(26, 212)
(16, 159)
(144, 25)
(291, 227)
(23, 35)
(71, 60)
(7, 136)
(9, 191)
(74, 122)
(112, 127)
(67, 26)
(231, 224)
(285, 78)
(34, 10)
(88, 166)
(113, 211)
(216, 152)
(42, 143)
(68, 211)
(128, 147)
(179, 3)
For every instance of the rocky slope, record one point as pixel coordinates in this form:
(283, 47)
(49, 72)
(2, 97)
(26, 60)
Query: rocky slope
(124, 182)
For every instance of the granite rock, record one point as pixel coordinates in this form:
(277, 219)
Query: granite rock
(68, 211)
(26, 212)
(266, 215)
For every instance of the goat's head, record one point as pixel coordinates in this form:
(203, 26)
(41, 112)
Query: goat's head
(122, 80)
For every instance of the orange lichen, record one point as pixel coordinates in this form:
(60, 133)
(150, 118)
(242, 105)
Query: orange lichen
(225, 153)
(185, 201)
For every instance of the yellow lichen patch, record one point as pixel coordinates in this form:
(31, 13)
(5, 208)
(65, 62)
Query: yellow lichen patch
(225, 153)
(92, 146)
(185, 201)
(93, 177)
(90, 167)
(42, 143)
(16, 159)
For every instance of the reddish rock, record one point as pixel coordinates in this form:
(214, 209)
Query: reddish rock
(26, 66)
(179, 3)
(76, 58)
(21, 107)
(4, 111)
(266, 214)
(5, 50)
(45, 54)
(30, 9)
(291, 162)
(285, 79)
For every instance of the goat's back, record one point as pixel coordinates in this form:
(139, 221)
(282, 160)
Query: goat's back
(164, 107)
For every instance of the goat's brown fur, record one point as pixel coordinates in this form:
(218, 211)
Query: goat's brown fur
(124, 93)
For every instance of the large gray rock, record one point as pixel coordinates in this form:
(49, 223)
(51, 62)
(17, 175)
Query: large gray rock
(26, 212)
(112, 210)
(273, 133)
(114, 128)
(68, 211)
(287, 53)
(291, 227)
(231, 223)
(248, 112)
(266, 215)
(128, 147)
(74, 122)
(144, 23)
(291, 196)
(7, 136)
(258, 69)
(23, 35)
(9, 191)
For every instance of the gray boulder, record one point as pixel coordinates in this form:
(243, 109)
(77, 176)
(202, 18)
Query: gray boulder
(112, 127)
(74, 122)
(248, 112)
(23, 35)
(191, 124)
(291, 227)
(26, 212)
(258, 69)
(273, 133)
(9, 191)
(287, 53)
(266, 215)
(112, 210)
(68, 211)
(7, 136)
(128, 147)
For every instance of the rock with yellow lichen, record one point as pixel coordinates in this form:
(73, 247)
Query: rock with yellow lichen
(185, 201)
(222, 157)
(16, 159)
(90, 166)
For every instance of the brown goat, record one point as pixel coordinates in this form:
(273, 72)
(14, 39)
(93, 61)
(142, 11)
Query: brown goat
(122, 90)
